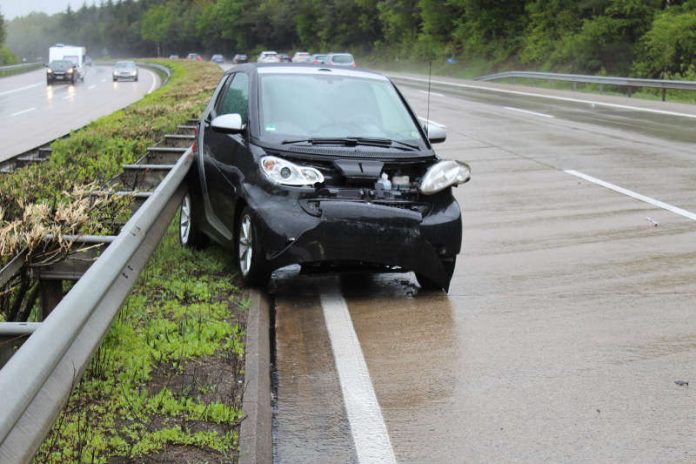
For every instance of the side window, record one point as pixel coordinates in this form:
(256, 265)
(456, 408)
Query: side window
(236, 98)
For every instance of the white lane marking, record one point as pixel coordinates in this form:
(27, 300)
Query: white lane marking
(19, 89)
(637, 196)
(369, 431)
(23, 111)
(431, 93)
(103, 80)
(553, 97)
(91, 87)
(533, 113)
(67, 97)
(154, 83)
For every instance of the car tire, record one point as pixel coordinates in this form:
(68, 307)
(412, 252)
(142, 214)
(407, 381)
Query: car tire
(253, 267)
(428, 284)
(190, 236)
(136, 78)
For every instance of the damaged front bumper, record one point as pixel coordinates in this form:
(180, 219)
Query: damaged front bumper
(363, 233)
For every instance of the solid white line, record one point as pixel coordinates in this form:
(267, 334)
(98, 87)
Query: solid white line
(19, 89)
(552, 97)
(431, 93)
(533, 113)
(23, 111)
(370, 436)
(637, 196)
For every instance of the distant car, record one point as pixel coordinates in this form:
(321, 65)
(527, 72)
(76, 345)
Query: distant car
(268, 57)
(125, 70)
(340, 59)
(302, 57)
(61, 70)
(240, 58)
(326, 168)
(194, 56)
(173, 57)
(284, 58)
(319, 58)
(219, 59)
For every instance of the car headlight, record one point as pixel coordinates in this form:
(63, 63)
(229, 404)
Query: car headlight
(283, 172)
(70, 71)
(444, 174)
(50, 71)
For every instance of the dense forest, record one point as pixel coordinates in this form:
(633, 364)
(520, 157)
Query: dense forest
(651, 38)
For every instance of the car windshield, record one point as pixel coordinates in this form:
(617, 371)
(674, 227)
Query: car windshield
(60, 64)
(342, 58)
(125, 64)
(298, 106)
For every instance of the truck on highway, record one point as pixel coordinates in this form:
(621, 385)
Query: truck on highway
(74, 54)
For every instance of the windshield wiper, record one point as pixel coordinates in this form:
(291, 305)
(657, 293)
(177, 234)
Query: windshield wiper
(354, 141)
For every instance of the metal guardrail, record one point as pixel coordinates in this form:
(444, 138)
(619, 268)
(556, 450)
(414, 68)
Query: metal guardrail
(38, 378)
(18, 68)
(159, 68)
(627, 82)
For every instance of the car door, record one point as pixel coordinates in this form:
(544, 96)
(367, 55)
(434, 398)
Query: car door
(225, 152)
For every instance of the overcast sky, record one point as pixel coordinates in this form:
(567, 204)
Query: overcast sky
(12, 8)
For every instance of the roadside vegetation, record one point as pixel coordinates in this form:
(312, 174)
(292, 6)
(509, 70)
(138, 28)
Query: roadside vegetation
(94, 154)
(165, 386)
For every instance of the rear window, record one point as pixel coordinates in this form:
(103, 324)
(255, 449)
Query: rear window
(342, 58)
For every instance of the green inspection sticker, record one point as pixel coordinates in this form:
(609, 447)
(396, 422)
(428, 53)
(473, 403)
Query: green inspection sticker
(270, 127)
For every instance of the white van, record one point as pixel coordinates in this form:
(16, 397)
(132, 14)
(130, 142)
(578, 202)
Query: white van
(76, 55)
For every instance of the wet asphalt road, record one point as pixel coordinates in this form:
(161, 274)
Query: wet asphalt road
(571, 315)
(33, 113)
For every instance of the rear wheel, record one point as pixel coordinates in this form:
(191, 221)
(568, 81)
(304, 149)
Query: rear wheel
(189, 234)
(253, 267)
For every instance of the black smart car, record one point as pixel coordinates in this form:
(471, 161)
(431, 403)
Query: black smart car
(324, 167)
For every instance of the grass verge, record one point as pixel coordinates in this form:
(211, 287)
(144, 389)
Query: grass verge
(165, 385)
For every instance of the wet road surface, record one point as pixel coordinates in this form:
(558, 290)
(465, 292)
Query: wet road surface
(570, 317)
(33, 113)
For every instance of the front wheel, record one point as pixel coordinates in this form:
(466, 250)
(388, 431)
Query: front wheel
(253, 267)
(189, 234)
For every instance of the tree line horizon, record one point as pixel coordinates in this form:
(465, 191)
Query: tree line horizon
(644, 38)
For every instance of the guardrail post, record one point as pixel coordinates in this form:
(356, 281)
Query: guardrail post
(51, 294)
(664, 94)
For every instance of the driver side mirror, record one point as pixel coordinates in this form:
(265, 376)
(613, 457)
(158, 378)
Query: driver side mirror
(228, 124)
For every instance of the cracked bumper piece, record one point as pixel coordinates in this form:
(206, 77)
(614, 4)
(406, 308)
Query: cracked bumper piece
(365, 233)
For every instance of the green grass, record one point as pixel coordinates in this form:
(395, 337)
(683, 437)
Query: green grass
(136, 398)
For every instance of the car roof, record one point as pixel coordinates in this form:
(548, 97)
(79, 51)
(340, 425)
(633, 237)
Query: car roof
(309, 69)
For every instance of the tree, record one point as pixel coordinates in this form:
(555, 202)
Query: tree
(156, 24)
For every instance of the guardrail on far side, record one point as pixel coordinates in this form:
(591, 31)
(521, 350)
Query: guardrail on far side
(18, 68)
(628, 82)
